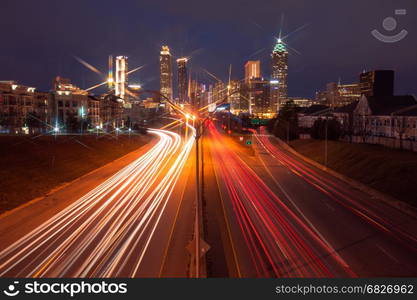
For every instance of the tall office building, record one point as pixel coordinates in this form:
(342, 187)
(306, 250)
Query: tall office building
(165, 67)
(219, 92)
(279, 81)
(255, 98)
(182, 79)
(252, 70)
(121, 77)
(377, 83)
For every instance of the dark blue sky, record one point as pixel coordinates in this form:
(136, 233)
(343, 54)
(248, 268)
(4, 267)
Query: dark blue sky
(40, 38)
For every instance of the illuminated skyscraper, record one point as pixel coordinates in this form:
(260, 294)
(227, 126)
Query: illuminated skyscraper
(279, 82)
(252, 70)
(165, 67)
(121, 77)
(182, 79)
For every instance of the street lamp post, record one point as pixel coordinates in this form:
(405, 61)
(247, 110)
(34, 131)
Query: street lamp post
(198, 199)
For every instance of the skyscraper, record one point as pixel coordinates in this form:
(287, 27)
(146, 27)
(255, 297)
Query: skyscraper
(252, 70)
(121, 77)
(165, 65)
(182, 79)
(279, 83)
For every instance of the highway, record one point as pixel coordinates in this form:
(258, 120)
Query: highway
(120, 228)
(267, 213)
(286, 218)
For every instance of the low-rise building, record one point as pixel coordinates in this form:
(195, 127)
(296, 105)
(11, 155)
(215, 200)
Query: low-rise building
(389, 116)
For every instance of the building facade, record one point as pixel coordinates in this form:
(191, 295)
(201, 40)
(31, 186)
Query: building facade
(219, 92)
(301, 102)
(257, 93)
(252, 70)
(165, 69)
(111, 112)
(339, 95)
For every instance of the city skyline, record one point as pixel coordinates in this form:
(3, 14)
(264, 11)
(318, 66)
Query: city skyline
(55, 57)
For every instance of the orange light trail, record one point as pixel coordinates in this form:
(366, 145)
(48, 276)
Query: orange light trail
(107, 232)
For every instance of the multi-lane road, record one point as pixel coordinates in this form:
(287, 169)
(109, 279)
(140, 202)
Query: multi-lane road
(287, 218)
(266, 213)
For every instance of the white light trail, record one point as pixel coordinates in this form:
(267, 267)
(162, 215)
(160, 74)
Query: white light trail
(107, 232)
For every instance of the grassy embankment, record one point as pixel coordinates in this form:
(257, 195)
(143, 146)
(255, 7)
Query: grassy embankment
(30, 167)
(390, 171)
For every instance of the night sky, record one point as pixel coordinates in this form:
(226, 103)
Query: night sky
(39, 39)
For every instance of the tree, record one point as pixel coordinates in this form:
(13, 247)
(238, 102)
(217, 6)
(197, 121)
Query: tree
(286, 124)
(326, 128)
